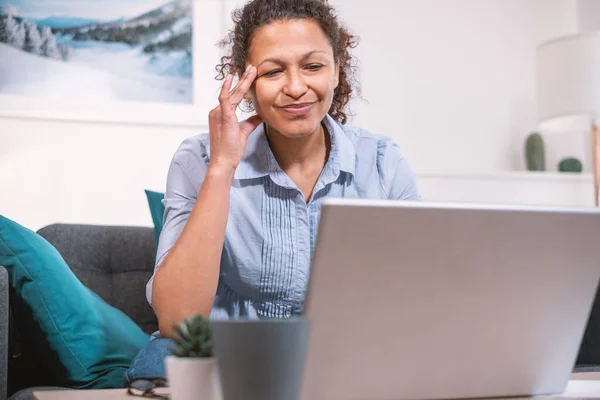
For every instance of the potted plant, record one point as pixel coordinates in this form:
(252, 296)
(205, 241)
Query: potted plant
(192, 370)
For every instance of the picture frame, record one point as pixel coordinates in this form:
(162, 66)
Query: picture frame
(208, 30)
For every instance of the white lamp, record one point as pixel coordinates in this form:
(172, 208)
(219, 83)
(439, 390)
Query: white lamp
(568, 88)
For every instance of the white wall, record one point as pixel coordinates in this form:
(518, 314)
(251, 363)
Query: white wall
(588, 15)
(454, 81)
(55, 171)
(451, 80)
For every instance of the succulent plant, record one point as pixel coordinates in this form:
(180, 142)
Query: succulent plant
(535, 153)
(193, 338)
(570, 165)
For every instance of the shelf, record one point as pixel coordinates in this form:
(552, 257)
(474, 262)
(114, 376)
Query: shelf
(567, 177)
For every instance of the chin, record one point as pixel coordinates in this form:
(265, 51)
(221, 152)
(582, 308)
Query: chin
(296, 128)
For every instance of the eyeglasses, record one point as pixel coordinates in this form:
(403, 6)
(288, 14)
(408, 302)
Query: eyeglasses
(144, 387)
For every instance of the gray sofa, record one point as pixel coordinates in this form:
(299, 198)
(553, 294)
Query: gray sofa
(116, 262)
(113, 261)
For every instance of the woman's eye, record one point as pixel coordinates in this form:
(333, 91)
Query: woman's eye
(272, 73)
(314, 67)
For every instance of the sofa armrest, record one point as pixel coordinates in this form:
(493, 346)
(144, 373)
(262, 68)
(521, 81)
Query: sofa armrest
(3, 333)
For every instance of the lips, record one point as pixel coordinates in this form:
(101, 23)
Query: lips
(298, 110)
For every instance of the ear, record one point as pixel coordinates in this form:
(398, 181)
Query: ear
(337, 75)
(249, 95)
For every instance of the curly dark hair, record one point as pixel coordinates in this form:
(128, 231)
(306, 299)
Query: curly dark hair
(258, 13)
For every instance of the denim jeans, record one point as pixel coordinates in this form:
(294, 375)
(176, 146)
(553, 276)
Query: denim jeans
(150, 361)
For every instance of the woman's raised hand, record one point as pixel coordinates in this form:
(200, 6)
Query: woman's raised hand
(228, 137)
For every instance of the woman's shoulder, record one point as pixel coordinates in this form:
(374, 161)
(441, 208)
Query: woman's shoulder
(193, 149)
(364, 141)
(396, 178)
(189, 163)
(195, 144)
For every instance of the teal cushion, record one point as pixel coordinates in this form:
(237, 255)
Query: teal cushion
(157, 210)
(79, 339)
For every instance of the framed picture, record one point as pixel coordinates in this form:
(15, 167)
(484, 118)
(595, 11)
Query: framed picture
(138, 61)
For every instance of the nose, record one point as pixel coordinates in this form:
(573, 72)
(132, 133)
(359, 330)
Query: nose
(295, 84)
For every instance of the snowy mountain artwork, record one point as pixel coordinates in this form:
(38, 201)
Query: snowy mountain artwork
(132, 50)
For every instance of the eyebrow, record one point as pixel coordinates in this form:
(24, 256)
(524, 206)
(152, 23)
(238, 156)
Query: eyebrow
(279, 61)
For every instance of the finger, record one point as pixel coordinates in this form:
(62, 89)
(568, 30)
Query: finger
(249, 125)
(237, 95)
(224, 94)
(240, 80)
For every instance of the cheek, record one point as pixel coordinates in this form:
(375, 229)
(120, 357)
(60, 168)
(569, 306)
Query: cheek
(325, 85)
(264, 92)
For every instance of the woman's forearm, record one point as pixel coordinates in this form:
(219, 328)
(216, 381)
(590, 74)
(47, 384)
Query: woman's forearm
(186, 282)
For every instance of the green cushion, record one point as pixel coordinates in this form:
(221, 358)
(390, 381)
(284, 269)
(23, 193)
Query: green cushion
(80, 339)
(157, 210)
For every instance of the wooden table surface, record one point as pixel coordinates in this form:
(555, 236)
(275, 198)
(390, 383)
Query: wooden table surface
(590, 389)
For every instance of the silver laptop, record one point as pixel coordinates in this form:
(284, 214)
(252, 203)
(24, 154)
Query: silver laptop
(417, 300)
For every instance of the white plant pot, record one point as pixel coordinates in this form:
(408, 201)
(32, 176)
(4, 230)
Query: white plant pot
(193, 378)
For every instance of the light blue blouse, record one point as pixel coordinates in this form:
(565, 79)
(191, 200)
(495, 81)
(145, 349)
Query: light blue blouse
(271, 230)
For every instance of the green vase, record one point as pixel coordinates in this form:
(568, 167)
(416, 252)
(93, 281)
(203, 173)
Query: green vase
(535, 153)
(570, 164)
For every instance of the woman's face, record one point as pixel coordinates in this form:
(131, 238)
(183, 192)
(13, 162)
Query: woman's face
(296, 76)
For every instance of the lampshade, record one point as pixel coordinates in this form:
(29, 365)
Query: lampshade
(568, 81)
(568, 89)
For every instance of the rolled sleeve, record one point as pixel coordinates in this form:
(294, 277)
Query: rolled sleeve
(397, 178)
(186, 173)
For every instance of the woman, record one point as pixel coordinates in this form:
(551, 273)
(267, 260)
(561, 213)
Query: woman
(242, 203)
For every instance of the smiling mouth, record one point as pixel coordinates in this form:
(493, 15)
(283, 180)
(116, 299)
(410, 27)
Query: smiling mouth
(298, 106)
(299, 110)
